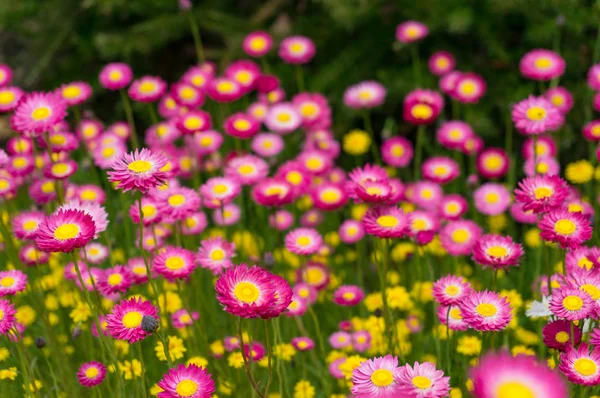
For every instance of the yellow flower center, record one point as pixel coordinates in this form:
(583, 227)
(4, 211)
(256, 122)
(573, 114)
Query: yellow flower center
(421, 382)
(258, 43)
(6, 97)
(303, 241)
(452, 290)
(176, 200)
(397, 150)
(217, 254)
(193, 123)
(536, 113)
(187, 93)
(514, 389)
(296, 48)
(294, 177)
(91, 372)
(313, 163)
(60, 169)
(374, 191)
(283, 117)
(246, 292)
(330, 196)
(220, 189)
(313, 276)
(592, 290)
(557, 100)
(71, 92)
(575, 208)
(148, 210)
(468, 88)
(486, 309)
(243, 76)
(421, 111)
(94, 251)
(271, 191)
(186, 388)
(492, 197)
(440, 171)
(132, 319)
(497, 251)
(147, 87)
(542, 192)
(565, 227)
(4, 184)
(387, 221)
(542, 167)
(139, 166)
(562, 337)
(412, 32)
(115, 75)
(455, 314)
(66, 231)
(48, 187)
(58, 139)
(452, 208)
(115, 279)
(585, 366)
(382, 377)
(198, 80)
(572, 303)
(241, 124)
(1, 315)
(460, 236)
(427, 193)
(174, 263)
(308, 109)
(419, 224)
(7, 281)
(225, 87)
(30, 225)
(543, 63)
(41, 113)
(246, 169)
(493, 162)
(348, 296)
(583, 262)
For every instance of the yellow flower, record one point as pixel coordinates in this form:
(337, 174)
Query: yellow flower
(350, 364)
(334, 355)
(402, 250)
(198, 361)
(176, 349)
(359, 211)
(532, 238)
(526, 337)
(303, 389)
(51, 302)
(284, 351)
(235, 360)
(514, 298)
(398, 298)
(579, 172)
(498, 222)
(374, 301)
(4, 354)
(10, 373)
(225, 388)
(122, 347)
(131, 369)
(25, 315)
(455, 393)
(81, 312)
(155, 389)
(217, 348)
(357, 142)
(332, 238)
(422, 291)
(35, 386)
(522, 350)
(173, 302)
(469, 345)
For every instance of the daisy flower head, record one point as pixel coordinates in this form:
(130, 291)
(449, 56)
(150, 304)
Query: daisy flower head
(229, 214)
(561, 98)
(245, 291)
(194, 224)
(451, 290)
(217, 191)
(459, 237)
(199, 76)
(411, 31)
(453, 133)
(314, 109)
(38, 113)
(257, 44)
(545, 165)
(30, 255)
(469, 88)
(147, 89)
(6, 75)
(267, 144)
(95, 252)
(89, 129)
(340, 340)
(150, 211)
(193, 121)
(422, 380)
(453, 207)
(491, 198)
(303, 343)
(425, 194)
(440, 169)
(224, 89)
(257, 110)
(544, 146)
(9, 98)
(215, 254)
(273, 192)
(207, 142)
(571, 304)
(124, 322)
(75, 93)
(541, 193)
(348, 295)
(397, 151)
(242, 126)
(591, 131)
(186, 94)
(497, 251)
(314, 274)
(139, 170)
(174, 263)
(452, 317)
(447, 83)
(248, 169)
(536, 115)
(65, 230)
(12, 282)
(62, 142)
(178, 202)
(540, 64)
(492, 163)
(351, 231)
(303, 241)
(580, 365)
(90, 374)
(500, 375)
(186, 381)
(115, 76)
(593, 77)
(569, 230)
(283, 297)
(7, 316)
(26, 224)
(441, 62)
(182, 318)
(386, 222)
(365, 95)
(422, 106)
(61, 169)
(486, 311)
(283, 118)
(94, 210)
(162, 134)
(244, 72)
(281, 220)
(297, 50)
(329, 196)
(557, 334)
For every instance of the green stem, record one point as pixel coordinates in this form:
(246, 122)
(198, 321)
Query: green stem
(270, 366)
(419, 151)
(369, 128)
(246, 365)
(130, 120)
(197, 39)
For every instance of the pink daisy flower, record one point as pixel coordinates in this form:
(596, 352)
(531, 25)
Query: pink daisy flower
(486, 311)
(453, 207)
(7, 316)
(182, 318)
(178, 202)
(593, 77)
(561, 98)
(411, 31)
(314, 274)
(115, 76)
(568, 229)
(425, 194)
(224, 89)
(244, 72)
(571, 304)
(545, 165)
(9, 98)
(491, 198)
(453, 133)
(96, 252)
(580, 365)
(499, 374)
(541, 193)
(273, 192)
(542, 65)
(248, 169)
(26, 224)
(6, 75)
(217, 191)
(245, 291)
(189, 381)
(283, 118)
(497, 251)
(114, 280)
(397, 151)
(194, 224)
(30, 255)
(351, 231)
(186, 94)
(469, 88)
(492, 163)
(174, 263)
(441, 62)
(348, 295)
(303, 241)
(215, 254)
(544, 146)
(94, 210)
(422, 380)
(147, 89)
(229, 214)
(65, 230)
(91, 374)
(452, 317)
(12, 282)
(365, 95)
(340, 340)
(314, 109)
(303, 343)
(150, 213)
(297, 50)
(557, 334)
(451, 290)
(591, 131)
(448, 82)
(257, 44)
(422, 106)
(193, 121)
(440, 169)
(37, 113)
(536, 115)
(139, 170)
(283, 297)
(329, 196)
(207, 142)
(242, 126)
(61, 170)
(124, 322)
(75, 93)
(386, 222)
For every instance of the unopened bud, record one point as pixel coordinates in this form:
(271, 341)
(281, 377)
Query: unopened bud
(149, 324)
(40, 342)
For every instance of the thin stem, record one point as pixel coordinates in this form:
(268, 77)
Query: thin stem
(369, 128)
(246, 365)
(269, 357)
(197, 39)
(129, 114)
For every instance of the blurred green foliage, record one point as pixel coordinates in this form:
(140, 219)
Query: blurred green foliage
(55, 41)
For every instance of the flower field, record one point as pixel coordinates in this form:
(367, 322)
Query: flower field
(226, 239)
